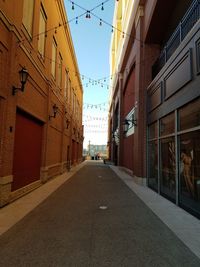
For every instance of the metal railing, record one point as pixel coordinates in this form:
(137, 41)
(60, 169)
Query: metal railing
(188, 21)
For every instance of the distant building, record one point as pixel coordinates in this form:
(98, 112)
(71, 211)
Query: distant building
(94, 150)
(41, 130)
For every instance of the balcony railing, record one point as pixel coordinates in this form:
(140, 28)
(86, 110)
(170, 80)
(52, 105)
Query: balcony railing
(185, 25)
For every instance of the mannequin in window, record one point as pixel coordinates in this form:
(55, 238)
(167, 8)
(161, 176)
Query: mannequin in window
(187, 163)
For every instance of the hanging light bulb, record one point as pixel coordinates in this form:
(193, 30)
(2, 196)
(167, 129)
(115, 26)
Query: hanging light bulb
(123, 35)
(100, 23)
(89, 17)
(76, 20)
(102, 8)
(72, 5)
(112, 29)
(86, 15)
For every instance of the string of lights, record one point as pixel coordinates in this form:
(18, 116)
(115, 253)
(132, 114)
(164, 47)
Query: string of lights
(97, 6)
(91, 81)
(90, 131)
(60, 25)
(83, 77)
(100, 104)
(86, 12)
(102, 109)
(95, 126)
(97, 118)
(102, 21)
(52, 29)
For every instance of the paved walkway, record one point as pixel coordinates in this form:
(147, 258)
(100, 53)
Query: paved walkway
(93, 219)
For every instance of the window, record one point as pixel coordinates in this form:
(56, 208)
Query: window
(153, 130)
(53, 63)
(69, 96)
(60, 71)
(167, 125)
(153, 156)
(153, 164)
(28, 15)
(66, 84)
(73, 102)
(42, 29)
(168, 168)
(189, 170)
(189, 116)
(130, 118)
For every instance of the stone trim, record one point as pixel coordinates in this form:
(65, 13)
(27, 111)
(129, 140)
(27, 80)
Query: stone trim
(24, 190)
(6, 180)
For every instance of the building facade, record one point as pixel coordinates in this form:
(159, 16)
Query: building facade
(41, 132)
(154, 114)
(127, 126)
(95, 151)
(174, 109)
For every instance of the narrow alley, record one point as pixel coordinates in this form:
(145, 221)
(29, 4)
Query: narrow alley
(92, 219)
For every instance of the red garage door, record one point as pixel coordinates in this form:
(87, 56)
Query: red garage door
(27, 150)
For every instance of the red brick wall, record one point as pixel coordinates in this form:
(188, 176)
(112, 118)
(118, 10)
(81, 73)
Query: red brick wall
(128, 159)
(129, 93)
(128, 104)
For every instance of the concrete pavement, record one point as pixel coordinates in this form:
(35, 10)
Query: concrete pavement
(92, 219)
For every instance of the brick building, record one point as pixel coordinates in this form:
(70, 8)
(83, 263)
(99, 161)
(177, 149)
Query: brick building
(41, 132)
(154, 114)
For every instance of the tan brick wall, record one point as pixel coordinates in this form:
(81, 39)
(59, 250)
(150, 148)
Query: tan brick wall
(41, 90)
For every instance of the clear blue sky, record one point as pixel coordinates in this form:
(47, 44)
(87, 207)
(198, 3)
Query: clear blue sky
(92, 46)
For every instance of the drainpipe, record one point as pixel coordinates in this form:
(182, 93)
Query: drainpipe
(120, 154)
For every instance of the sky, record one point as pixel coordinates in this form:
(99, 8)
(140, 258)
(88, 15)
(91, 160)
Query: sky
(92, 46)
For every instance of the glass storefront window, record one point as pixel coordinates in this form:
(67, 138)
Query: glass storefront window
(168, 168)
(153, 165)
(153, 130)
(189, 115)
(167, 125)
(189, 170)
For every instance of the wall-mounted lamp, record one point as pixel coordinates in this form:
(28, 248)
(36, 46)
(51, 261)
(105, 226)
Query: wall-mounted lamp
(115, 136)
(127, 123)
(67, 123)
(55, 111)
(23, 75)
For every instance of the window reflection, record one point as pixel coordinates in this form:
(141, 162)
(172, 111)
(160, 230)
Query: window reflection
(167, 125)
(189, 169)
(189, 116)
(153, 165)
(168, 168)
(153, 130)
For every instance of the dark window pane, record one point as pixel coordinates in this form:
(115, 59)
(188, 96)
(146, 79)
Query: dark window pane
(167, 125)
(189, 116)
(153, 165)
(189, 169)
(153, 130)
(168, 168)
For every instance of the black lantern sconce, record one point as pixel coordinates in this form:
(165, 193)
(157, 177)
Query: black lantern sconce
(113, 137)
(23, 75)
(55, 111)
(67, 123)
(127, 123)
